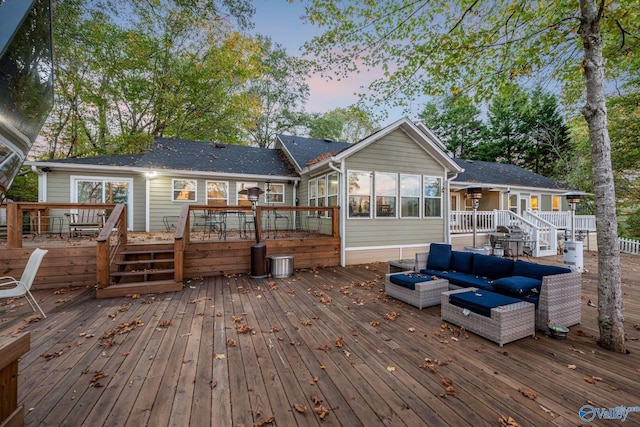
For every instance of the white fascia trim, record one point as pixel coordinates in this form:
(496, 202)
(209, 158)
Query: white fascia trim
(101, 169)
(459, 185)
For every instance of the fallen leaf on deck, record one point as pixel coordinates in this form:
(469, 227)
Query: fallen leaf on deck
(340, 342)
(305, 322)
(590, 304)
(231, 342)
(300, 408)
(571, 366)
(220, 356)
(411, 329)
(321, 411)
(589, 380)
(527, 392)
(315, 399)
(507, 422)
(391, 368)
(374, 323)
(213, 384)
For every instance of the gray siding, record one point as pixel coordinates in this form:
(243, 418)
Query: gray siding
(399, 154)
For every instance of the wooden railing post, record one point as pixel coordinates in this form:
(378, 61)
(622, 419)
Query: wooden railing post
(10, 351)
(14, 225)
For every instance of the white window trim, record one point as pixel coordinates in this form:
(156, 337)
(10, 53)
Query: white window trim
(173, 181)
(348, 195)
(284, 193)
(375, 195)
(440, 197)
(206, 190)
(420, 191)
(130, 199)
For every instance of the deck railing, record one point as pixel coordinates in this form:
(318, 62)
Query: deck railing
(109, 243)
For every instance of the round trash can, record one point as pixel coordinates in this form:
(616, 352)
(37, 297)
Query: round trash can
(280, 266)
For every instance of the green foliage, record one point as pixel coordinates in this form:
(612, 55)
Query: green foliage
(24, 187)
(349, 124)
(130, 72)
(282, 91)
(456, 121)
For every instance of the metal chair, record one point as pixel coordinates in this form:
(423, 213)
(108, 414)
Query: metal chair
(216, 221)
(13, 288)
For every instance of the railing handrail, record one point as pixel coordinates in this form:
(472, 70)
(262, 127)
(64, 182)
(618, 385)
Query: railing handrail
(106, 251)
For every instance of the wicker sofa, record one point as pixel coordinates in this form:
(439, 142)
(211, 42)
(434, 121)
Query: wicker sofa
(555, 291)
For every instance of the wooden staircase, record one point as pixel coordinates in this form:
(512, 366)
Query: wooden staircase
(141, 270)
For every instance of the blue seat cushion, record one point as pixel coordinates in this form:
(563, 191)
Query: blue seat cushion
(518, 285)
(536, 271)
(481, 302)
(491, 267)
(439, 256)
(409, 280)
(461, 261)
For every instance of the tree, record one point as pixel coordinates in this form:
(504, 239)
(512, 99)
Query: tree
(549, 147)
(136, 70)
(451, 46)
(349, 124)
(282, 90)
(508, 130)
(456, 121)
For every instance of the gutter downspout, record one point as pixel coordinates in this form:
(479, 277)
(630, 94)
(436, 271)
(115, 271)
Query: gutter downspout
(42, 183)
(447, 218)
(342, 211)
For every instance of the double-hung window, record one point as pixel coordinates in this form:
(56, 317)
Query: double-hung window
(359, 194)
(217, 193)
(410, 196)
(184, 190)
(432, 194)
(274, 193)
(386, 187)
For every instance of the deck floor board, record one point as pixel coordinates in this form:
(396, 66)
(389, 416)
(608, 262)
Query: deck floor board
(328, 335)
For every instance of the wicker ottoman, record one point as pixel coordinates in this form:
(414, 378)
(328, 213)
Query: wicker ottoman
(504, 323)
(425, 293)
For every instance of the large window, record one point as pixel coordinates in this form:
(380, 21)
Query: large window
(556, 203)
(217, 193)
(534, 203)
(513, 203)
(386, 187)
(184, 190)
(102, 191)
(274, 193)
(359, 194)
(410, 196)
(432, 193)
(332, 190)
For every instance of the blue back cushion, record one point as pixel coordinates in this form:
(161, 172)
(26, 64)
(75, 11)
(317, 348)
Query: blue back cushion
(536, 271)
(461, 261)
(491, 266)
(517, 285)
(439, 256)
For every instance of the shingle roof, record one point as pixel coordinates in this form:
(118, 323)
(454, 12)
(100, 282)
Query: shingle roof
(305, 150)
(117, 160)
(504, 174)
(198, 156)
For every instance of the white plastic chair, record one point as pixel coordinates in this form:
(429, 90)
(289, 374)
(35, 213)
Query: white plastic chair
(21, 287)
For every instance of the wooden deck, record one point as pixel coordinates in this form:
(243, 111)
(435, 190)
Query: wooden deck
(231, 351)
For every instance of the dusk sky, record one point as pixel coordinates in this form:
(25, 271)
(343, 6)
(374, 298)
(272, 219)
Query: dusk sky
(283, 22)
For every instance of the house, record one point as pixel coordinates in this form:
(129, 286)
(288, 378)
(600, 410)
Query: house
(391, 187)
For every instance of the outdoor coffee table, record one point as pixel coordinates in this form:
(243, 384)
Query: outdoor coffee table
(419, 290)
(497, 317)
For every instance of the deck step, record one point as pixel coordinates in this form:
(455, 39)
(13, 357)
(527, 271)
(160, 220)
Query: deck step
(149, 252)
(144, 261)
(149, 287)
(145, 272)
